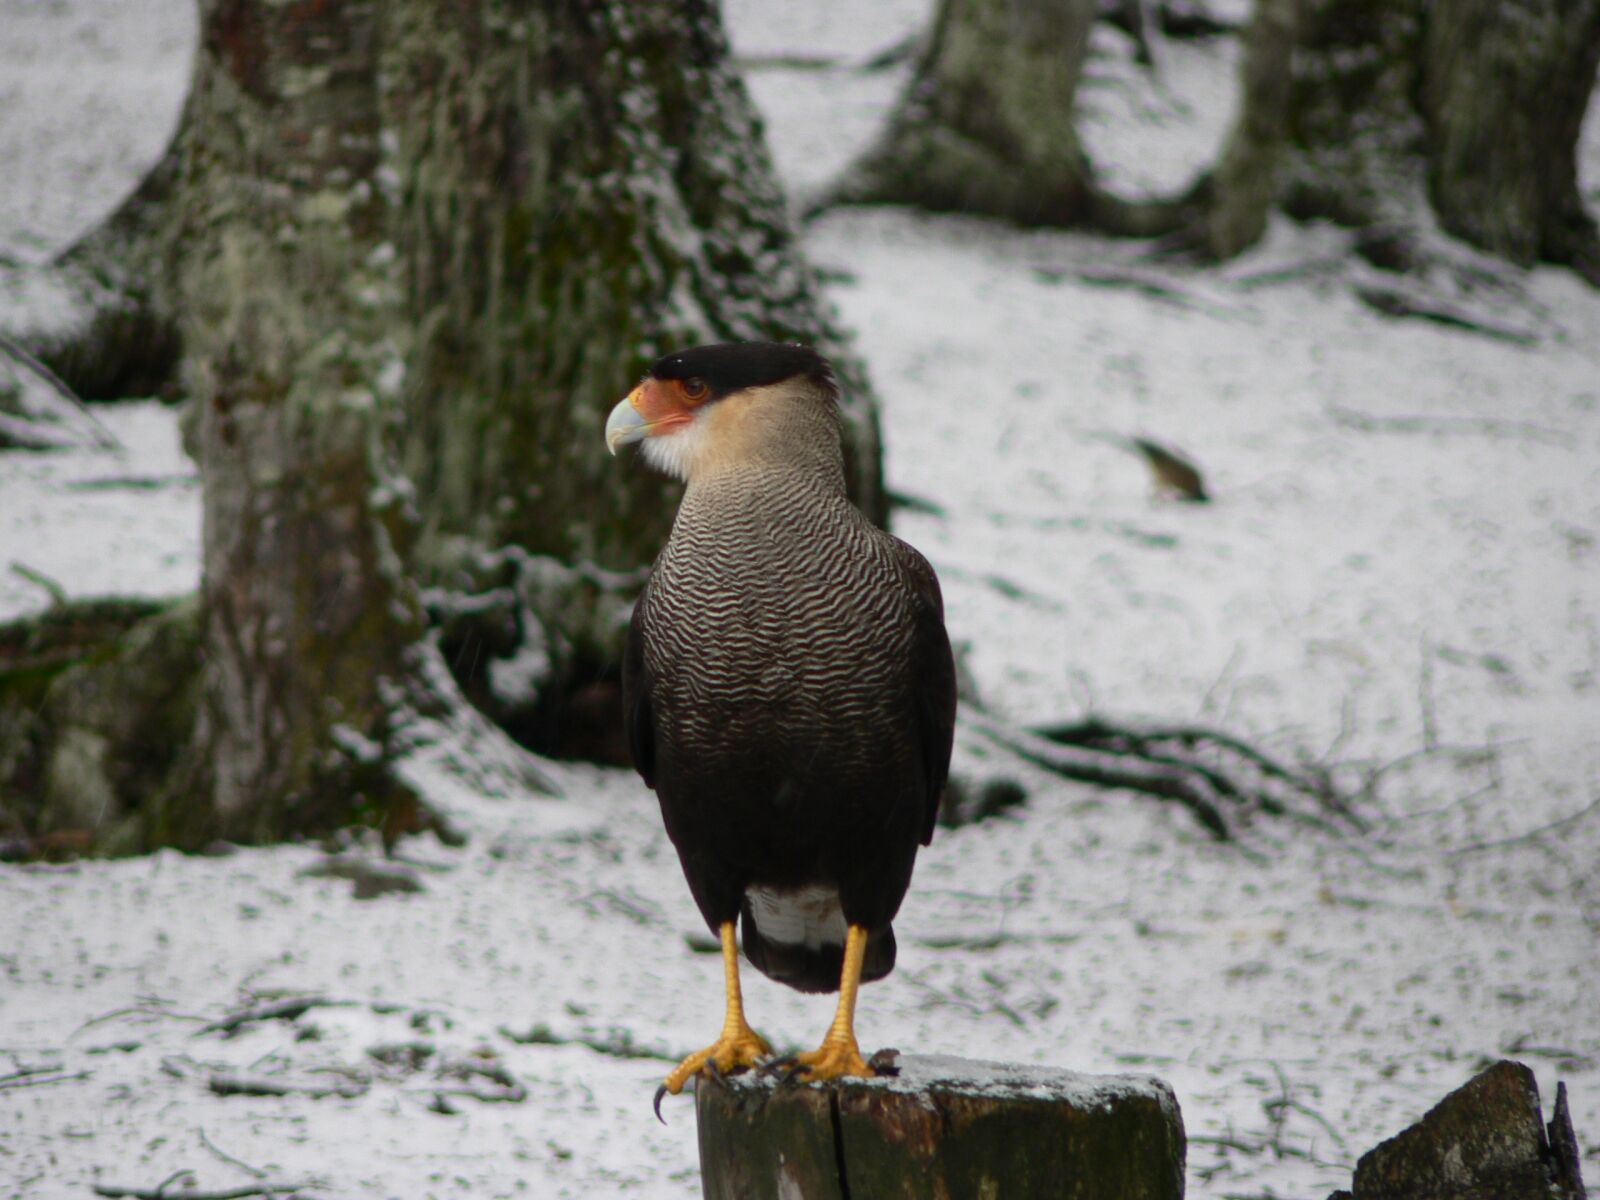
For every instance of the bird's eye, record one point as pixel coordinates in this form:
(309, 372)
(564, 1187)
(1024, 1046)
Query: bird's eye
(695, 390)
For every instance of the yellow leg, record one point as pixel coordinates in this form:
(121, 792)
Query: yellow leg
(739, 1045)
(839, 1054)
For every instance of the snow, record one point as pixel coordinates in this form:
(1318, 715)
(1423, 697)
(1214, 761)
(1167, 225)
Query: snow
(922, 1073)
(1400, 577)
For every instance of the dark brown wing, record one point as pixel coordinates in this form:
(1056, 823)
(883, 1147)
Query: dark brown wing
(637, 718)
(933, 672)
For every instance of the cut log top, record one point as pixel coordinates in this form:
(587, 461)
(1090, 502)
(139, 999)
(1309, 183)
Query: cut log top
(926, 1073)
(945, 1128)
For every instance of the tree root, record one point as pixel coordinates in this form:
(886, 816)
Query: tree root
(1223, 781)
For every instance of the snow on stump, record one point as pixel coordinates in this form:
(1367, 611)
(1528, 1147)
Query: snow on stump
(1484, 1141)
(942, 1128)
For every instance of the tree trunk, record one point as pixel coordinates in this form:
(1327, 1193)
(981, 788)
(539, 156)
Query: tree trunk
(987, 126)
(1506, 86)
(1356, 111)
(1353, 127)
(584, 188)
(1470, 106)
(293, 349)
(1247, 178)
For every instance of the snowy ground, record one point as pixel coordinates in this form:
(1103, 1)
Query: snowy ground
(1404, 553)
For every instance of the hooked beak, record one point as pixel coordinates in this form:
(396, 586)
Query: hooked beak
(626, 423)
(651, 409)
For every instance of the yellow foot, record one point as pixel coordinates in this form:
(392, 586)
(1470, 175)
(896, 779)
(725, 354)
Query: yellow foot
(836, 1057)
(731, 1052)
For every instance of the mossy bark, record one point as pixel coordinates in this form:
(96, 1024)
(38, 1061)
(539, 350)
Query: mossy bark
(583, 187)
(1505, 91)
(986, 125)
(1354, 133)
(1470, 107)
(1359, 111)
(97, 701)
(293, 346)
(1247, 177)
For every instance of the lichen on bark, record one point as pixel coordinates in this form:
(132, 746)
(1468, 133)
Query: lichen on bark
(582, 187)
(291, 342)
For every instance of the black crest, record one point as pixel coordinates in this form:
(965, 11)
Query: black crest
(728, 367)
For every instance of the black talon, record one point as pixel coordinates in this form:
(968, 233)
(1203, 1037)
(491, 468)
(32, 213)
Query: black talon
(661, 1093)
(886, 1062)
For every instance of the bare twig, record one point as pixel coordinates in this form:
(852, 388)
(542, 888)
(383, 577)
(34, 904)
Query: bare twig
(1492, 426)
(103, 436)
(1430, 725)
(58, 594)
(253, 1172)
(1530, 835)
(143, 1009)
(38, 1077)
(1191, 790)
(237, 1193)
(276, 1010)
(1222, 677)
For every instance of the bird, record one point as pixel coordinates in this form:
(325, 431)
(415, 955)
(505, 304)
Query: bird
(1174, 475)
(789, 691)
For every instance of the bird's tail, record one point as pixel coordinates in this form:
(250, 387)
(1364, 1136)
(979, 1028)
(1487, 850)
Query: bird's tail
(812, 968)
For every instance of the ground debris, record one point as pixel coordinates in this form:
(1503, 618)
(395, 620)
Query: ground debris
(346, 1087)
(164, 1190)
(288, 1008)
(371, 879)
(39, 1077)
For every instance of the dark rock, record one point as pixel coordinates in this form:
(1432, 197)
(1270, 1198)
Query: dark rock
(1484, 1141)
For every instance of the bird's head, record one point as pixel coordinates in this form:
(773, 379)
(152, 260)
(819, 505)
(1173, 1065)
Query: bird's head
(734, 402)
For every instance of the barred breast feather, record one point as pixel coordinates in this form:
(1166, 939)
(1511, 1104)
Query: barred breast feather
(790, 696)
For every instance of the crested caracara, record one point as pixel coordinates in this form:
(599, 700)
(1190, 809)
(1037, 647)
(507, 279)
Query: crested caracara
(788, 687)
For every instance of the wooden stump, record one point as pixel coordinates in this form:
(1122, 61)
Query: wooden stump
(943, 1129)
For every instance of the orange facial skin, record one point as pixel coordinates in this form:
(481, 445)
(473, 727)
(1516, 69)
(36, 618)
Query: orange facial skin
(666, 404)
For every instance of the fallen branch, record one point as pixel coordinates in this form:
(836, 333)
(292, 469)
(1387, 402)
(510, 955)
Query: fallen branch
(1190, 789)
(37, 1077)
(277, 1010)
(221, 1084)
(1492, 426)
(619, 1045)
(145, 1009)
(160, 1193)
(253, 1172)
(1097, 734)
(1396, 302)
(1166, 763)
